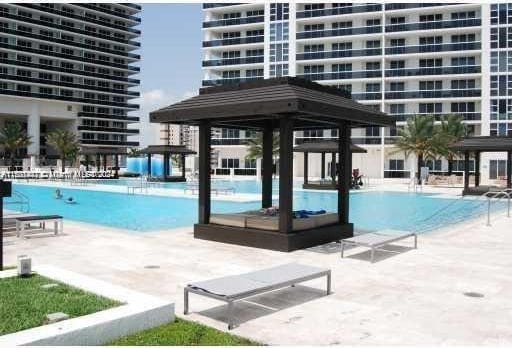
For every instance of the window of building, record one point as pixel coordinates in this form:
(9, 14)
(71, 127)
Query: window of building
(396, 164)
(430, 85)
(230, 163)
(431, 17)
(431, 40)
(231, 74)
(314, 48)
(497, 169)
(310, 7)
(24, 73)
(373, 44)
(397, 108)
(462, 107)
(372, 87)
(397, 86)
(341, 46)
(313, 69)
(314, 27)
(372, 22)
(430, 108)
(431, 63)
(254, 73)
(397, 42)
(463, 15)
(397, 20)
(372, 65)
(463, 61)
(463, 84)
(341, 67)
(279, 11)
(45, 90)
(342, 25)
(463, 38)
(434, 165)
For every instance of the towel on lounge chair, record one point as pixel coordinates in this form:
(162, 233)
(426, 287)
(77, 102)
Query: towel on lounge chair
(304, 214)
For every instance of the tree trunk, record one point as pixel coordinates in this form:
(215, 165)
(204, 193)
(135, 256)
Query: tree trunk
(63, 164)
(420, 163)
(12, 160)
(450, 167)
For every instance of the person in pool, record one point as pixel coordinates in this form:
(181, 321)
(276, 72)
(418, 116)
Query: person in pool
(70, 200)
(58, 194)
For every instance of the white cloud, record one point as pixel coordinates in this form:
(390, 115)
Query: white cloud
(149, 101)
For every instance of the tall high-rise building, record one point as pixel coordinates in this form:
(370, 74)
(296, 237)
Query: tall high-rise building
(402, 58)
(70, 66)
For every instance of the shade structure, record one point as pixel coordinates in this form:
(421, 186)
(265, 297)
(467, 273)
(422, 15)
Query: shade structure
(284, 104)
(100, 154)
(475, 146)
(325, 147)
(167, 151)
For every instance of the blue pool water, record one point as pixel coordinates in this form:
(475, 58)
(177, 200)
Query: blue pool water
(141, 213)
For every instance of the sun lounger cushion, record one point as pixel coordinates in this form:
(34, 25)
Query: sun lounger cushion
(325, 219)
(235, 220)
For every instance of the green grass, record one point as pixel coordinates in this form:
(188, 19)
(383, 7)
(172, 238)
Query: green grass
(24, 304)
(183, 333)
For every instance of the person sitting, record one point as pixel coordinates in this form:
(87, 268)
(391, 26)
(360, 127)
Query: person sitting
(58, 194)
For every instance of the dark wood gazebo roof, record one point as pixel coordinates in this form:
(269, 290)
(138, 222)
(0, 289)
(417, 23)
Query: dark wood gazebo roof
(167, 149)
(329, 146)
(484, 144)
(249, 105)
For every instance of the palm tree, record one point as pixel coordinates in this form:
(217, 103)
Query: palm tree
(255, 150)
(134, 152)
(452, 130)
(13, 137)
(419, 137)
(65, 142)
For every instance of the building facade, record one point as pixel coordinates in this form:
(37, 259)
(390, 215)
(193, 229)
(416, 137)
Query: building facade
(402, 58)
(70, 66)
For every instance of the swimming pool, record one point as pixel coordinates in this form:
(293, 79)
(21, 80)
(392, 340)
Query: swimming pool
(142, 213)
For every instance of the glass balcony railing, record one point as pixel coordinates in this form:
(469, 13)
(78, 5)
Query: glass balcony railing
(467, 116)
(233, 61)
(220, 82)
(230, 141)
(367, 140)
(367, 96)
(108, 116)
(448, 93)
(460, 23)
(15, 78)
(339, 11)
(463, 46)
(404, 6)
(214, 5)
(233, 41)
(233, 21)
(470, 69)
(109, 142)
(108, 129)
(69, 71)
(339, 32)
(339, 54)
(114, 13)
(341, 75)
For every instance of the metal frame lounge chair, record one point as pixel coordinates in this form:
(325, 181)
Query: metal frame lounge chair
(375, 240)
(235, 288)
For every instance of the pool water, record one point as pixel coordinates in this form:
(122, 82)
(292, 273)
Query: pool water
(142, 213)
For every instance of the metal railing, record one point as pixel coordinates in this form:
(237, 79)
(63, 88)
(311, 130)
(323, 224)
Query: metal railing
(19, 199)
(497, 196)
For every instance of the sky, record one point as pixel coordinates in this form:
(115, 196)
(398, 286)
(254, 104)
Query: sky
(170, 59)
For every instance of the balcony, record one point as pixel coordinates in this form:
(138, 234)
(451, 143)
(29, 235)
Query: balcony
(460, 23)
(339, 54)
(70, 29)
(234, 21)
(464, 46)
(339, 11)
(448, 93)
(108, 116)
(342, 75)
(339, 32)
(113, 13)
(81, 18)
(69, 71)
(233, 61)
(214, 5)
(404, 6)
(108, 129)
(367, 96)
(220, 82)
(16, 78)
(234, 41)
(230, 141)
(108, 142)
(470, 69)
(367, 140)
(467, 116)
(68, 56)
(17, 93)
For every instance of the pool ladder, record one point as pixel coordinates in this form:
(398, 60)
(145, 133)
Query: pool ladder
(414, 185)
(497, 196)
(19, 199)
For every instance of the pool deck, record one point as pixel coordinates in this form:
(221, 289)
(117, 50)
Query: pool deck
(405, 297)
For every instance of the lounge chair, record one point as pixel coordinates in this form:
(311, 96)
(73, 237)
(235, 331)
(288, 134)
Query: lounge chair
(375, 240)
(234, 288)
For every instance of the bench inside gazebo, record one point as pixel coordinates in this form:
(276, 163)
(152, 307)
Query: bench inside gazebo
(323, 147)
(167, 151)
(475, 146)
(286, 104)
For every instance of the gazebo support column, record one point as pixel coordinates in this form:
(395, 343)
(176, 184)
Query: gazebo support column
(285, 175)
(149, 164)
(306, 165)
(98, 163)
(267, 166)
(466, 171)
(333, 165)
(344, 172)
(104, 163)
(116, 165)
(509, 169)
(87, 162)
(477, 168)
(322, 169)
(166, 165)
(204, 171)
(183, 166)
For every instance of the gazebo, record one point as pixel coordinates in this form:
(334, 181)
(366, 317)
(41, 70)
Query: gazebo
(286, 104)
(322, 147)
(475, 146)
(101, 154)
(167, 151)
